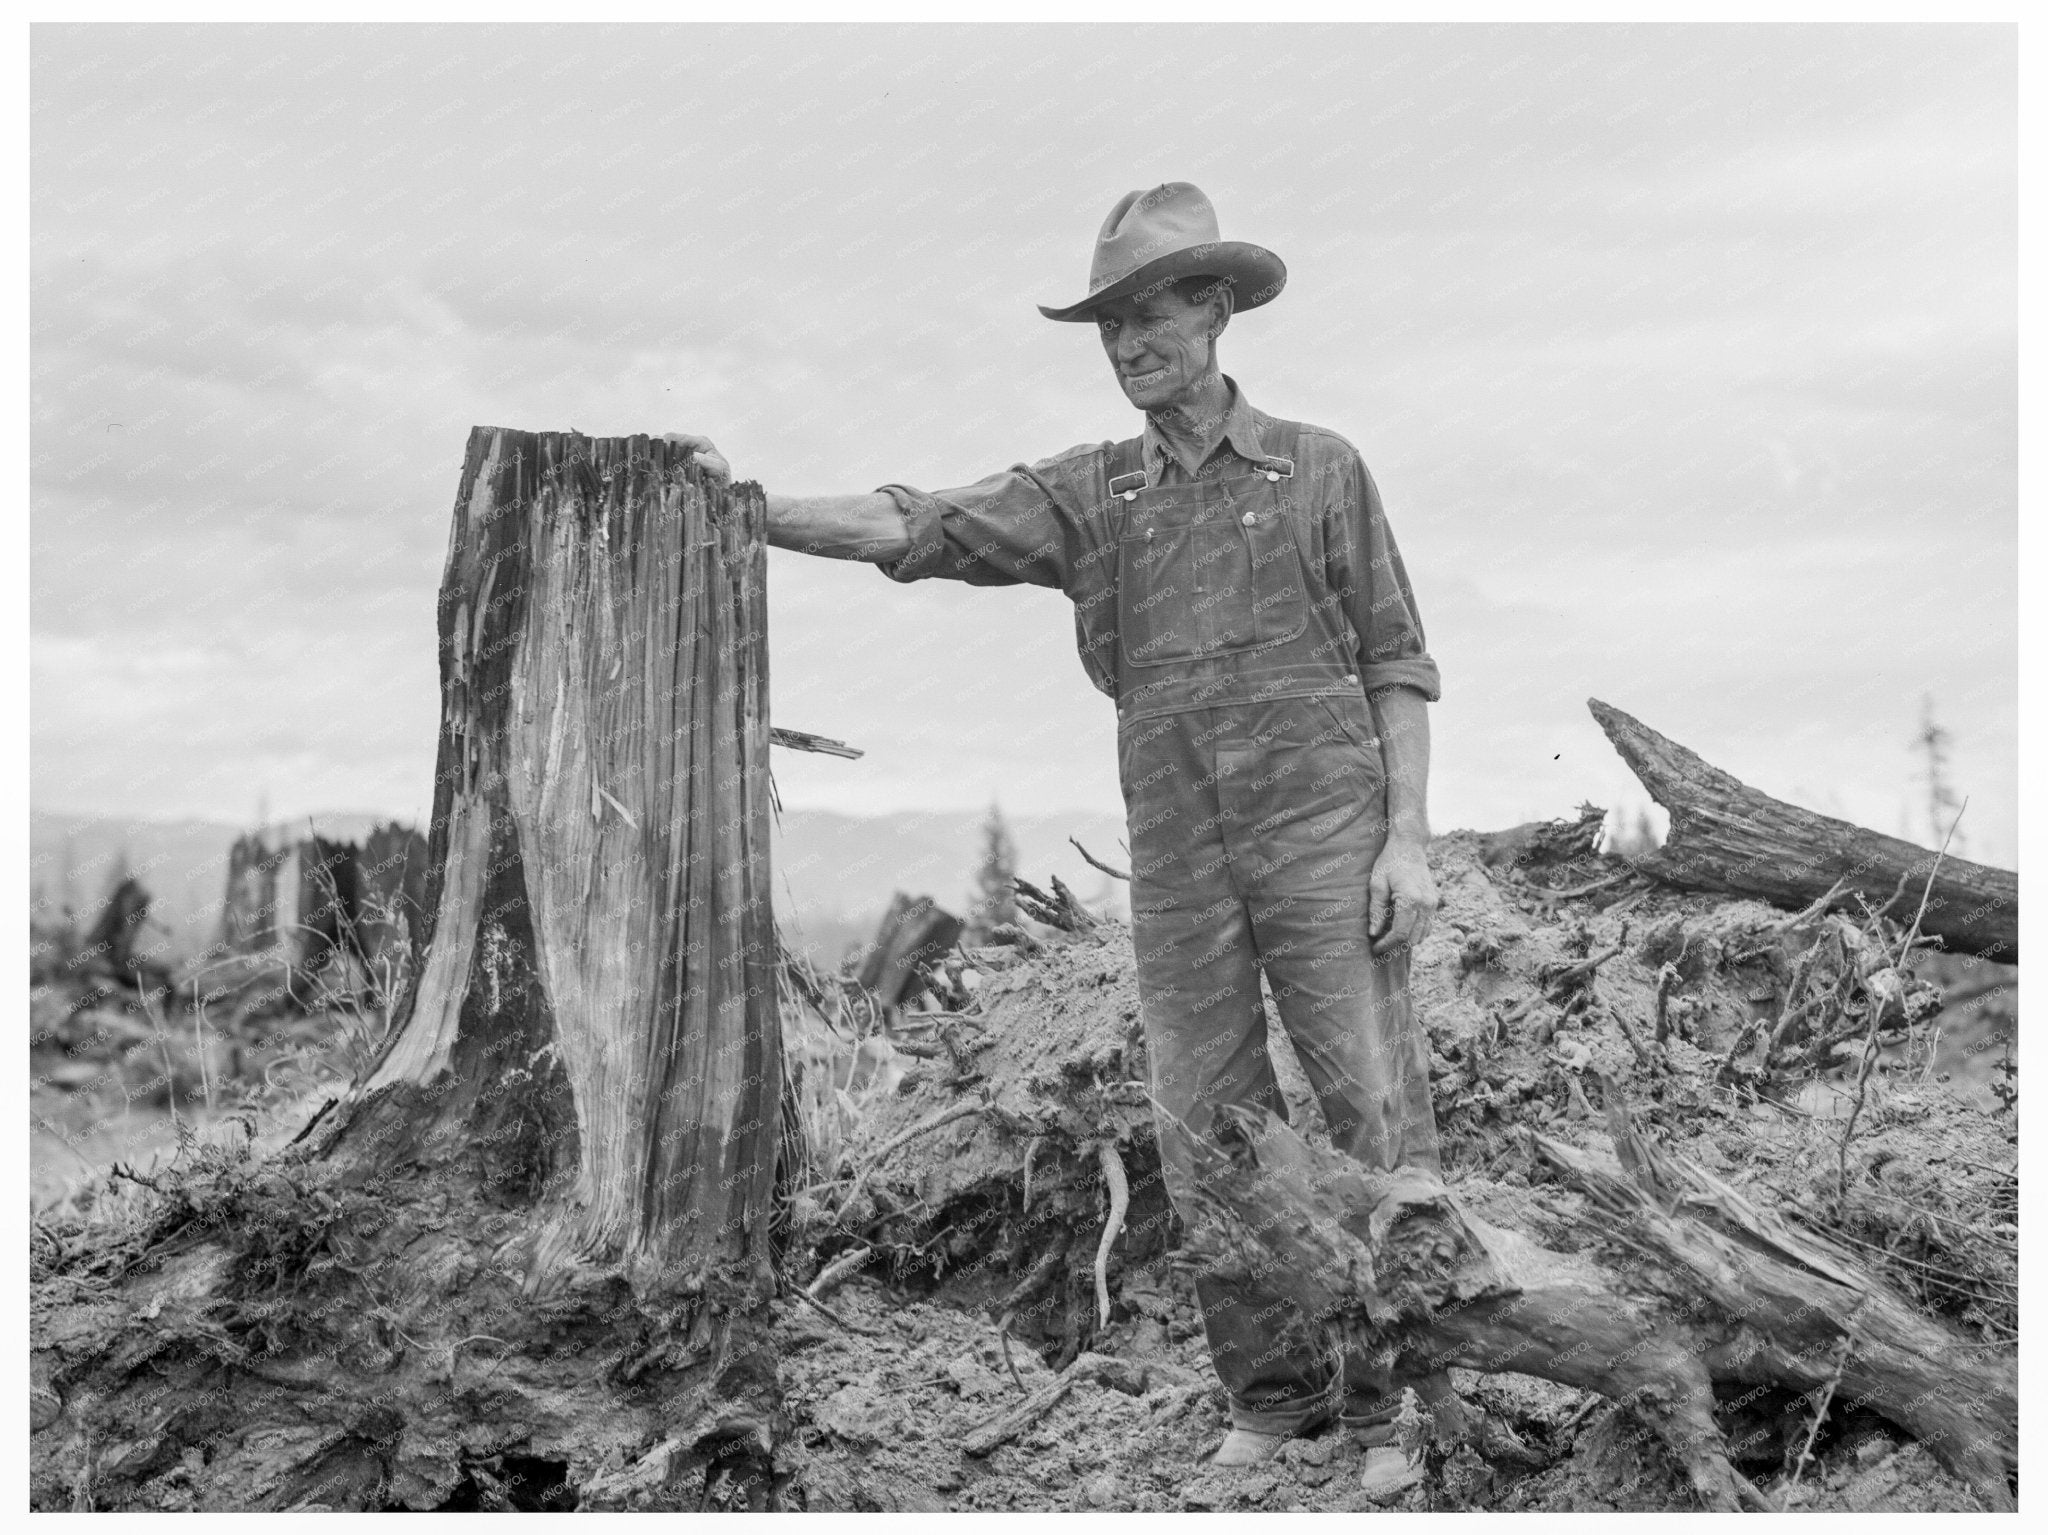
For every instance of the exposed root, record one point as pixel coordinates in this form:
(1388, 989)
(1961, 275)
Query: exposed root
(837, 1272)
(1030, 1156)
(1119, 1203)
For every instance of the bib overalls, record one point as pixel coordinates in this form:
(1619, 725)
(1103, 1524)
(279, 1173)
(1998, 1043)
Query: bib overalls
(1256, 797)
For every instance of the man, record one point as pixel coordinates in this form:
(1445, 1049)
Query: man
(1238, 593)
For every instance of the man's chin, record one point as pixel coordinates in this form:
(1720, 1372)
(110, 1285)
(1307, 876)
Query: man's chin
(1153, 396)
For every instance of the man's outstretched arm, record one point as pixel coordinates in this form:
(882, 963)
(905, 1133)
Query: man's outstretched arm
(869, 527)
(860, 527)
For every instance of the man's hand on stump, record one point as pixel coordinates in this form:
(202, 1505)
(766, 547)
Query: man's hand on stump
(707, 457)
(1403, 898)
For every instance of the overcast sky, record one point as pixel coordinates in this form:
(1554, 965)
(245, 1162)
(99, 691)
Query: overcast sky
(1685, 360)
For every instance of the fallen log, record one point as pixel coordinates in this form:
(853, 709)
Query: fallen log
(1729, 838)
(1696, 1292)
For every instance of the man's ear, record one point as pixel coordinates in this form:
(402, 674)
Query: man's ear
(1223, 303)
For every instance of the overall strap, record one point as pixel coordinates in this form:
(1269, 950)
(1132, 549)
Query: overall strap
(1125, 466)
(1282, 441)
(1124, 469)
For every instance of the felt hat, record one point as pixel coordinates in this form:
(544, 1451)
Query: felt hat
(1151, 239)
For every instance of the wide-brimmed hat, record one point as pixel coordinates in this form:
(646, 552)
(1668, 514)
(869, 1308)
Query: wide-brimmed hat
(1154, 238)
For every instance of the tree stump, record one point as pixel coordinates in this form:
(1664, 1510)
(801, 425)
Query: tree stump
(914, 931)
(525, 1261)
(248, 913)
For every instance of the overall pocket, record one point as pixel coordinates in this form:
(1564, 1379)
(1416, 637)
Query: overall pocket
(1350, 721)
(1193, 587)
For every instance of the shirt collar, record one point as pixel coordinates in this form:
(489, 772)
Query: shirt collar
(1240, 431)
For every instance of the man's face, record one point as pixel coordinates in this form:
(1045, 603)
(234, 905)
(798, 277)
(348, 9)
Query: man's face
(1159, 344)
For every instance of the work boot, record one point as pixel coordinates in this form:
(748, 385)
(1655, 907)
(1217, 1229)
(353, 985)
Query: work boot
(1373, 1401)
(1247, 1447)
(1369, 1416)
(1255, 1446)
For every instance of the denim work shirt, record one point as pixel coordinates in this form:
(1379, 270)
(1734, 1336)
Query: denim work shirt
(1053, 523)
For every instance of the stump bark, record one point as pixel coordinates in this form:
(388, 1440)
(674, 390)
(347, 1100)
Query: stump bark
(1727, 837)
(531, 1246)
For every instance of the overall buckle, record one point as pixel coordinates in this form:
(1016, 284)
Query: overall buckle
(1128, 485)
(1278, 468)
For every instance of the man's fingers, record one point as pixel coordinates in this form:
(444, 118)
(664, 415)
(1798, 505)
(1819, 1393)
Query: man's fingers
(701, 448)
(1377, 904)
(1400, 925)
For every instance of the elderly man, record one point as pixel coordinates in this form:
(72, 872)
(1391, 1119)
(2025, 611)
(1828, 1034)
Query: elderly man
(1239, 595)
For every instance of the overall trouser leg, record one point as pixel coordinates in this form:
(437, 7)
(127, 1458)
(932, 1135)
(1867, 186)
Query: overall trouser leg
(1205, 1033)
(1347, 1012)
(1253, 837)
(1308, 868)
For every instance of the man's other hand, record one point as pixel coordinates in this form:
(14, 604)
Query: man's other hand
(1402, 899)
(707, 457)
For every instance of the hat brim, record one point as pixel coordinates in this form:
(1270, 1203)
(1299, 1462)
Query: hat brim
(1254, 273)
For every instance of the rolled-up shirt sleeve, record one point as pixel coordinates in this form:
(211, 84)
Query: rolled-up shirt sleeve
(1025, 525)
(1364, 565)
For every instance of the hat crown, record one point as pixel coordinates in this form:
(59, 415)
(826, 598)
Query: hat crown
(1174, 216)
(1152, 239)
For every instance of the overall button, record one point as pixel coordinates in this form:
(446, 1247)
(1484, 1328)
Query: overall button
(1250, 518)
(1272, 474)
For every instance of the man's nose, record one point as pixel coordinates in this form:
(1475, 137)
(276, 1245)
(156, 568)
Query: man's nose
(1132, 342)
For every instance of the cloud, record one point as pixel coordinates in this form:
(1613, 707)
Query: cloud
(1685, 358)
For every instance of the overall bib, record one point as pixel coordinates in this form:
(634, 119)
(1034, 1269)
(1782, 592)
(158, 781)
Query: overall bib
(1256, 798)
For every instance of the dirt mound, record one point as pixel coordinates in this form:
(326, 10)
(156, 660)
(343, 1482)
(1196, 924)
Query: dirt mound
(1788, 1053)
(991, 1181)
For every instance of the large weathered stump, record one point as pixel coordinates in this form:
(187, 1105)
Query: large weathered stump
(531, 1245)
(594, 1026)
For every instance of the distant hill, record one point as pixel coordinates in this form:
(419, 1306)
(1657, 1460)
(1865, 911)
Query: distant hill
(834, 873)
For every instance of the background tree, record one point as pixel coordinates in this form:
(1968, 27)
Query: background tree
(1933, 742)
(995, 898)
